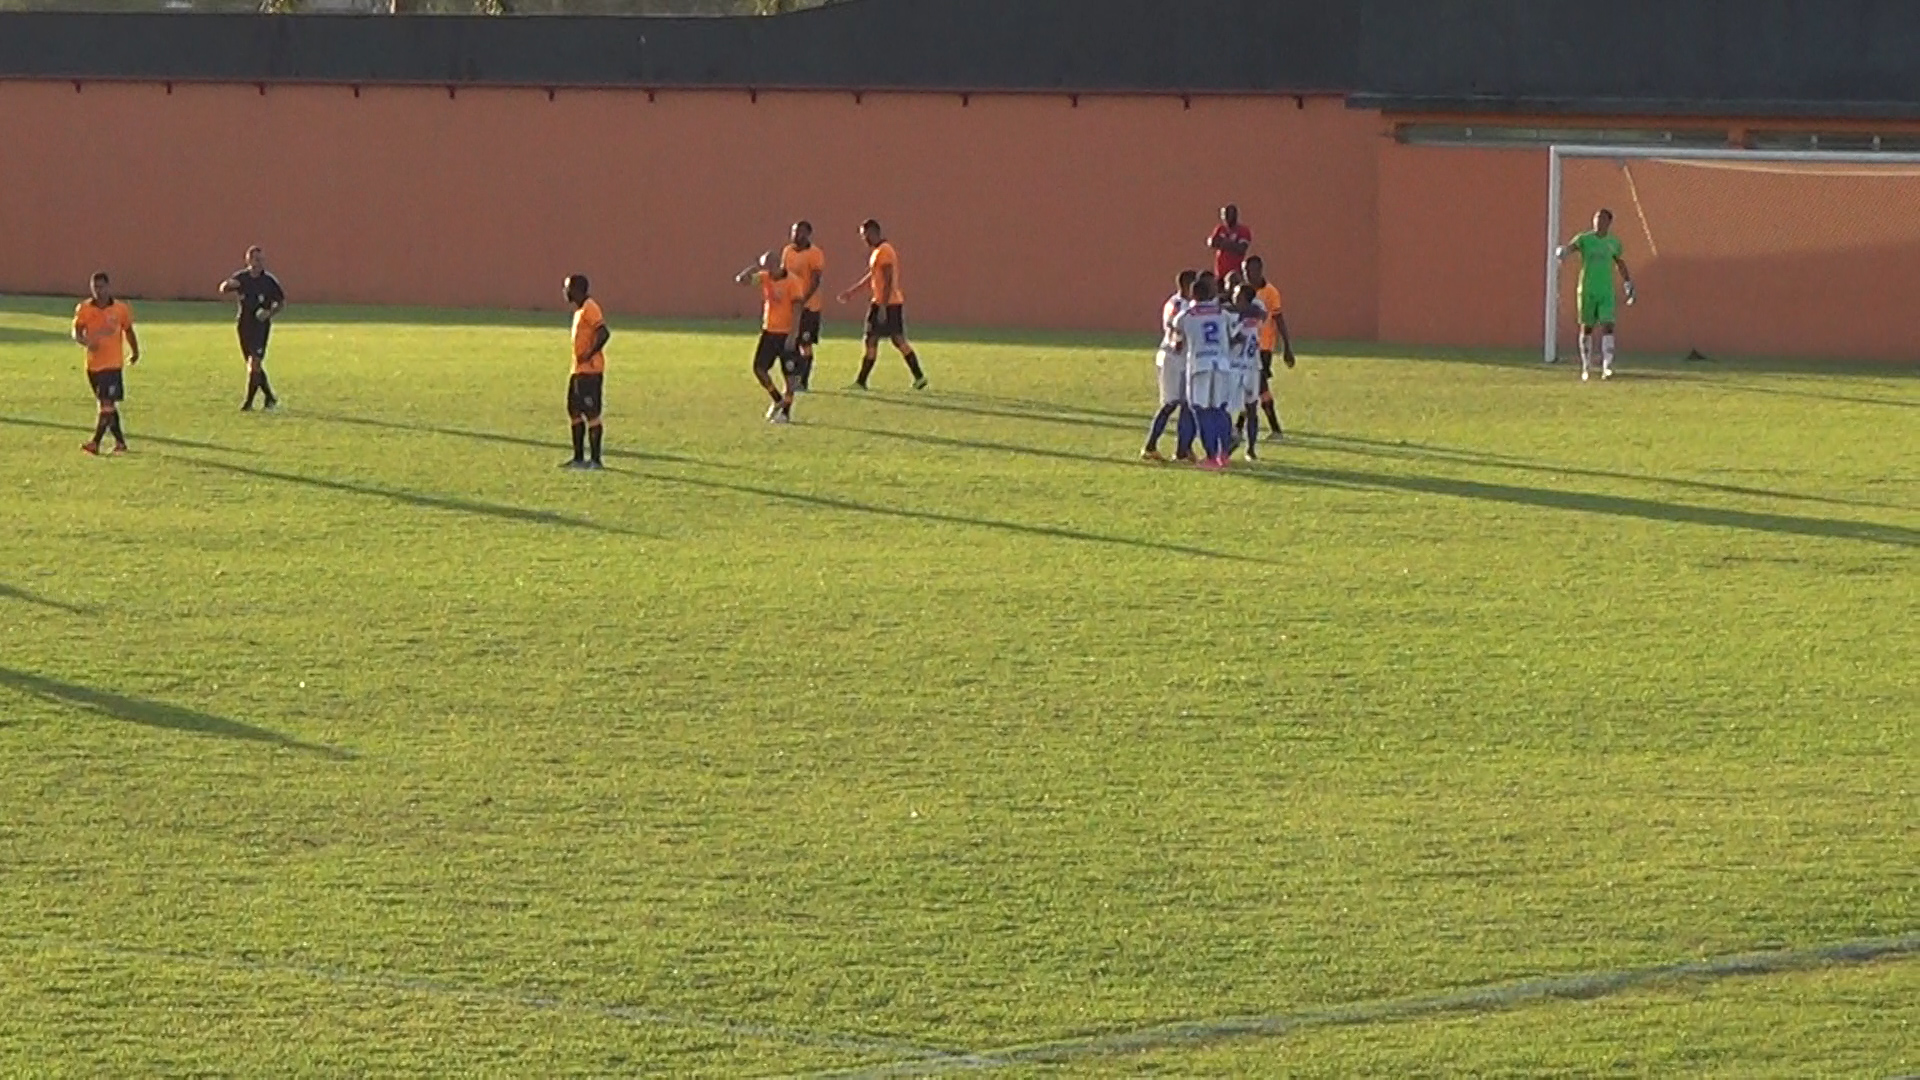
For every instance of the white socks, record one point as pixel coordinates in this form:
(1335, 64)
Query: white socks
(1606, 355)
(1586, 352)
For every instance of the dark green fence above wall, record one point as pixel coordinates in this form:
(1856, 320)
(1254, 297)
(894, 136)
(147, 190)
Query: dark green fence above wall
(1725, 57)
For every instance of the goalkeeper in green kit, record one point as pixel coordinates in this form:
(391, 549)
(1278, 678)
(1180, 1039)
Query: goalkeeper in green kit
(1599, 253)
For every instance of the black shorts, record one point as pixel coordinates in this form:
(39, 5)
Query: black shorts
(809, 328)
(772, 350)
(583, 395)
(887, 322)
(108, 385)
(253, 339)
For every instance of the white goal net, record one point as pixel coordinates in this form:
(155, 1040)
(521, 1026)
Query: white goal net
(1746, 253)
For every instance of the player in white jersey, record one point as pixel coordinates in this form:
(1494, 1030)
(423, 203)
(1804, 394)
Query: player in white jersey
(1250, 316)
(1172, 366)
(1205, 331)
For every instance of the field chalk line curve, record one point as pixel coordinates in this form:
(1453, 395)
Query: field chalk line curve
(1492, 998)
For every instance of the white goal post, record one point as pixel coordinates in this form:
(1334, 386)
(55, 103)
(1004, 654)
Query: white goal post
(1561, 154)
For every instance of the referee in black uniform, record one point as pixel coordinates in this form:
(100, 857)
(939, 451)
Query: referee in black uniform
(261, 298)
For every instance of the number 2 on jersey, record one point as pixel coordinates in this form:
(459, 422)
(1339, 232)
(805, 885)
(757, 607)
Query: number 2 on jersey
(1211, 333)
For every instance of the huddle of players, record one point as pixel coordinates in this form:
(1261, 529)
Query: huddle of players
(103, 326)
(791, 284)
(1216, 364)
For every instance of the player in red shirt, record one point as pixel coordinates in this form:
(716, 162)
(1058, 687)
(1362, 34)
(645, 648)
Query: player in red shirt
(1230, 242)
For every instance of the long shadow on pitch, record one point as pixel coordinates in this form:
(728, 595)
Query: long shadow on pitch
(155, 714)
(1391, 451)
(502, 512)
(1057, 414)
(1049, 532)
(1591, 503)
(507, 440)
(1587, 502)
(1078, 417)
(136, 437)
(11, 592)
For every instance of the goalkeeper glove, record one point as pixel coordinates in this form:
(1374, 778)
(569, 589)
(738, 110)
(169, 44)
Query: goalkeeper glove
(1630, 294)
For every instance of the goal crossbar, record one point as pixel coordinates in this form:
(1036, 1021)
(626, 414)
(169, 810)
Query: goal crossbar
(1559, 154)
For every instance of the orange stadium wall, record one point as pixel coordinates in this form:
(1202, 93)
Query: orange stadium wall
(1037, 211)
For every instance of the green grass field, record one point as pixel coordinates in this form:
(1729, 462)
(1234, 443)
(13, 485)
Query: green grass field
(1466, 735)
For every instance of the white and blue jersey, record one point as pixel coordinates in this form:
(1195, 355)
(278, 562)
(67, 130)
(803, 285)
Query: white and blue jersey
(1171, 365)
(1206, 333)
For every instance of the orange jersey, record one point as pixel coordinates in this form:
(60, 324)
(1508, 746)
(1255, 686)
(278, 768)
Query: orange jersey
(782, 302)
(586, 326)
(105, 330)
(884, 258)
(803, 265)
(1269, 298)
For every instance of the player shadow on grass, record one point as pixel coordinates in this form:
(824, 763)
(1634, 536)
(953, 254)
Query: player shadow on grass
(1592, 503)
(13, 592)
(138, 436)
(1547, 498)
(155, 714)
(507, 440)
(1054, 414)
(1410, 451)
(1079, 417)
(500, 511)
(1049, 532)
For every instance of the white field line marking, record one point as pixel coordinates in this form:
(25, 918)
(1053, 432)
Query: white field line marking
(628, 1014)
(1484, 999)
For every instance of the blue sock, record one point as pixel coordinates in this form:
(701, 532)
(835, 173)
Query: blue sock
(1209, 433)
(1188, 431)
(1160, 424)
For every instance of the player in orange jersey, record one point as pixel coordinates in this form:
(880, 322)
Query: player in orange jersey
(784, 295)
(104, 327)
(887, 316)
(807, 263)
(586, 388)
(1273, 331)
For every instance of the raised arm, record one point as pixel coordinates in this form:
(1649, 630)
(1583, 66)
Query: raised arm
(747, 276)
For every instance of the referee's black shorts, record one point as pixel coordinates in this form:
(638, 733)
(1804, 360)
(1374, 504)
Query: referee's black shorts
(253, 338)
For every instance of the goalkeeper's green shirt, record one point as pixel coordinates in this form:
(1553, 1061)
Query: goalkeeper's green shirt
(1596, 262)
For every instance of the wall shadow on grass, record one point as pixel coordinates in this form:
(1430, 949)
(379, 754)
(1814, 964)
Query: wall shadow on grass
(499, 511)
(14, 592)
(155, 714)
(30, 335)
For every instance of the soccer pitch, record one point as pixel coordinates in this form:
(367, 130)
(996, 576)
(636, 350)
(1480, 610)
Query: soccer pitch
(1494, 725)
